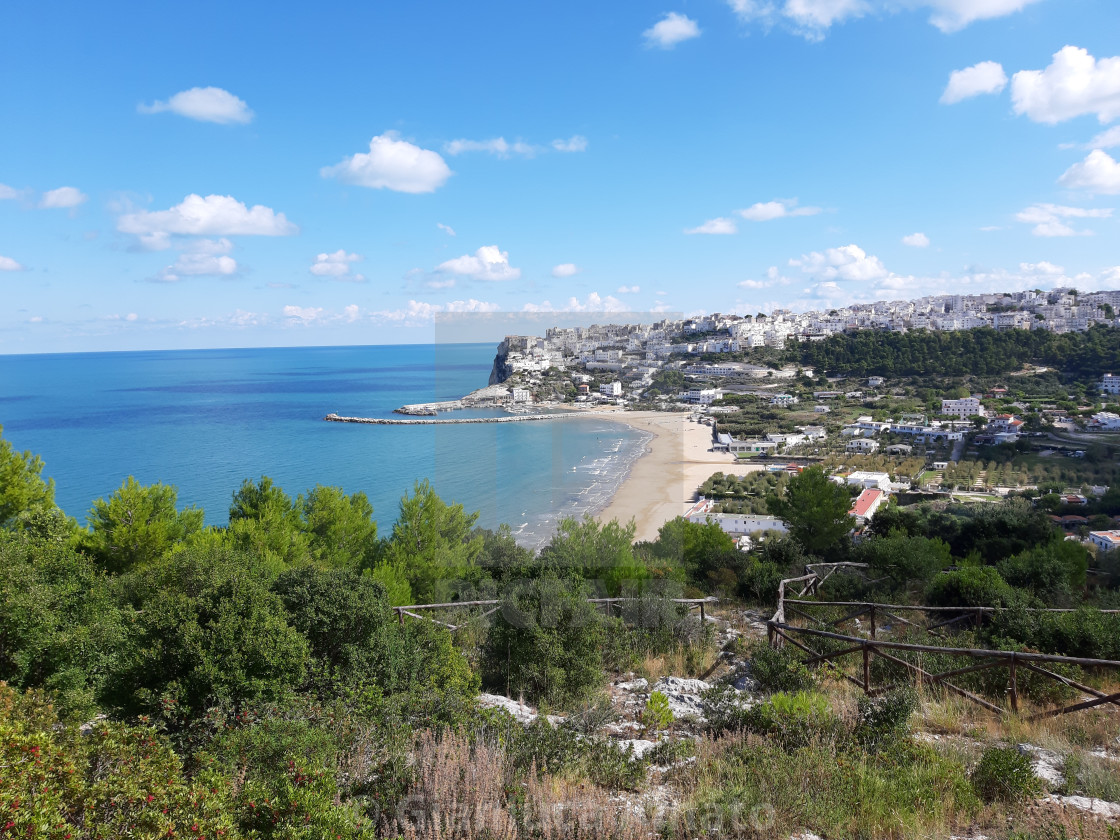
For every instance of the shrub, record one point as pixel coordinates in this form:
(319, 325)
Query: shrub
(723, 709)
(545, 644)
(614, 768)
(657, 714)
(972, 586)
(1005, 775)
(885, 718)
(793, 719)
(779, 669)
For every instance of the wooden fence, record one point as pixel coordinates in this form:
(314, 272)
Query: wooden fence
(780, 630)
(492, 606)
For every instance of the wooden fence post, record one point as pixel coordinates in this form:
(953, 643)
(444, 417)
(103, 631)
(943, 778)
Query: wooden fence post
(872, 607)
(400, 616)
(866, 668)
(1014, 687)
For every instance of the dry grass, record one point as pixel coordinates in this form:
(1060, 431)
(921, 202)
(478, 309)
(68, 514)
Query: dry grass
(680, 662)
(469, 791)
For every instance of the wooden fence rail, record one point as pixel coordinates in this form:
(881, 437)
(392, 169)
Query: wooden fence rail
(608, 604)
(780, 630)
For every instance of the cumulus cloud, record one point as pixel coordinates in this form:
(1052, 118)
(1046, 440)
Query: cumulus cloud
(985, 77)
(766, 211)
(813, 18)
(565, 270)
(629, 290)
(8, 264)
(575, 143)
(422, 313)
(448, 230)
(487, 263)
(1049, 219)
(198, 265)
(63, 197)
(1104, 140)
(214, 215)
(206, 104)
(303, 314)
(1044, 268)
(1098, 173)
(1074, 84)
(849, 262)
(670, 31)
(916, 240)
(392, 164)
(717, 227)
(336, 265)
(753, 284)
(7, 192)
(594, 302)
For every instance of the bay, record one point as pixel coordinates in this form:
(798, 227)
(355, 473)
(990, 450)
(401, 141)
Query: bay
(204, 420)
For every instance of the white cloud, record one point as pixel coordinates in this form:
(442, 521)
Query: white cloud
(1106, 139)
(670, 31)
(303, 314)
(954, 15)
(448, 230)
(594, 302)
(1048, 219)
(336, 265)
(1074, 84)
(208, 104)
(7, 192)
(753, 284)
(1044, 268)
(629, 290)
(766, 211)
(985, 77)
(8, 264)
(718, 226)
(498, 146)
(813, 18)
(565, 270)
(63, 197)
(487, 263)
(916, 240)
(422, 313)
(447, 283)
(198, 265)
(1098, 173)
(392, 164)
(214, 215)
(849, 262)
(575, 143)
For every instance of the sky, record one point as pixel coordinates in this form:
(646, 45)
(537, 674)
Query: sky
(249, 174)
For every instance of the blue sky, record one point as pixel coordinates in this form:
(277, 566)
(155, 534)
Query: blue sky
(283, 174)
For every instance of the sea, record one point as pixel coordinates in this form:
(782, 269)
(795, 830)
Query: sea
(206, 420)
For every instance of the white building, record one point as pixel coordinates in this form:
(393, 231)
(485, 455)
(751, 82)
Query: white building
(1105, 420)
(703, 396)
(522, 395)
(735, 524)
(784, 399)
(611, 389)
(1105, 540)
(1110, 384)
(874, 381)
(869, 501)
(860, 478)
(969, 407)
(863, 446)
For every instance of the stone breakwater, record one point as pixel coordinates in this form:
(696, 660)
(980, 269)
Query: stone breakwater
(519, 418)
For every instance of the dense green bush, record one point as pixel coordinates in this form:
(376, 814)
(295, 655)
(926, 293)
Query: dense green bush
(885, 718)
(1004, 774)
(779, 668)
(545, 644)
(793, 719)
(971, 586)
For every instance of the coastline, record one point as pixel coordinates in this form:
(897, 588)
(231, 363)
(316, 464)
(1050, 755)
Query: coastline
(661, 483)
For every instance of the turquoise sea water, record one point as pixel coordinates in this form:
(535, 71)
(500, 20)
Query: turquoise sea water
(203, 420)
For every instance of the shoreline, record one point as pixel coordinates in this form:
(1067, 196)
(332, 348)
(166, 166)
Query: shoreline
(662, 481)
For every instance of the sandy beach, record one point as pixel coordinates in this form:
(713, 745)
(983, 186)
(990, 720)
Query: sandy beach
(662, 483)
